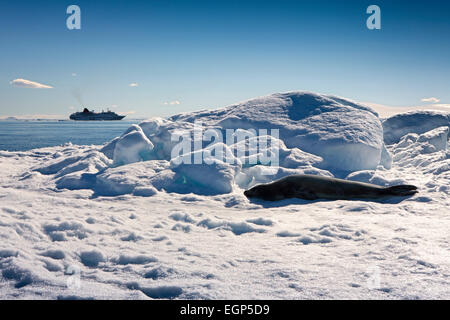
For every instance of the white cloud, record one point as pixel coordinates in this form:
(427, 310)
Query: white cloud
(133, 84)
(432, 100)
(74, 74)
(172, 102)
(22, 83)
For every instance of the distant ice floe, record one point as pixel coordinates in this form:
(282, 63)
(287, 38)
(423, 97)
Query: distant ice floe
(316, 134)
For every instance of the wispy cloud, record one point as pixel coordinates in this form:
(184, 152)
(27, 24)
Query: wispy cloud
(432, 100)
(133, 84)
(74, 74)
(172, 102)
(22, 83)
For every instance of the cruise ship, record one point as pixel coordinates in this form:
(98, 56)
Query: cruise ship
(87, 115)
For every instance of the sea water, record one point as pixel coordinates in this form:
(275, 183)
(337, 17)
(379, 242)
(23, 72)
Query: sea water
(26, 135)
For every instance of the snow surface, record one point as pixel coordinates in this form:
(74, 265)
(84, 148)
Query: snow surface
(125, 221)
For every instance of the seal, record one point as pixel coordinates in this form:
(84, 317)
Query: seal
(311, 187)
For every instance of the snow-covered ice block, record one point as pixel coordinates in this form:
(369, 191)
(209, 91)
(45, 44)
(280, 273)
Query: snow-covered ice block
(90, 161)
(76, 181)
(373, 177)
(152, 126)
(132, 128)
(253, 149)
(426, 151)
(132, 147)
(216, 151)
(418, 122)
(386, 158)
(406, 140)
(437, 137)
(108, 149)
(295, 158)
(55, 165)
(347, 135)
(212, 177)
(131, 178)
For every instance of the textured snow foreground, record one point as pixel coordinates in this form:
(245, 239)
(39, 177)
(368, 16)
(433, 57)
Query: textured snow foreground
(125, 221)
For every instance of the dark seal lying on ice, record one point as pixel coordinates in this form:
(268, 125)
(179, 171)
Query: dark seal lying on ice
(311, 187)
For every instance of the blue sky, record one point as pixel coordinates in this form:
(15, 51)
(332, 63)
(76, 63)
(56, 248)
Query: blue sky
(190, 55)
